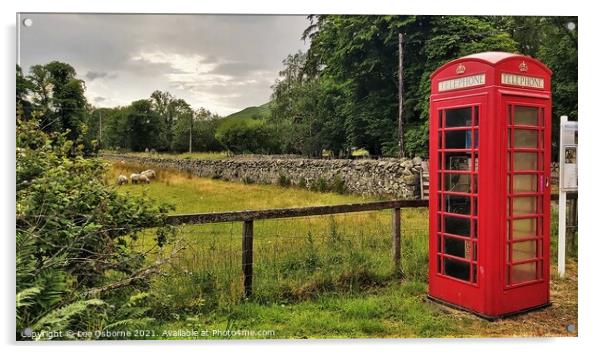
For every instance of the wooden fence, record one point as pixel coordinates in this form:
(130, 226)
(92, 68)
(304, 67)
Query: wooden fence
(247, 217)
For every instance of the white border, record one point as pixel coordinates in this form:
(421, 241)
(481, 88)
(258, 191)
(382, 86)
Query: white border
(589, 288)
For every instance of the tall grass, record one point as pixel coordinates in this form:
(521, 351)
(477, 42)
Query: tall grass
(323, 276)
(295, 259)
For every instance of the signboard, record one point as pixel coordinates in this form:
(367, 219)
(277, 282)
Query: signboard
(522, 81)
(568, 156)
(461, 82)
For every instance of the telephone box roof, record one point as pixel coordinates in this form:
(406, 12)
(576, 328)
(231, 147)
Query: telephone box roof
(493, 59)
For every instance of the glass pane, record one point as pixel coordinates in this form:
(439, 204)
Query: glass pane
(526, 115)
(458, 162)
(456, 269)
(524, 205)
(456, 247)
(524, 228)
(522, 251)
(525, 138)
(525, 161)
(458, 117)
(476, 139)
(457, 204)
(457, 182)
(474, 251)
(524, 183)
(457, 226)
(475, 184)
(458, 139)
(523, 272)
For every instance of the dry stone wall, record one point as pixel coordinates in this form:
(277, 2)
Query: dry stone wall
(398, 178)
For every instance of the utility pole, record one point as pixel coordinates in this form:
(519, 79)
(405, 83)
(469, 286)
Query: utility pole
(400, 118)
(100, 128)
(190, 135)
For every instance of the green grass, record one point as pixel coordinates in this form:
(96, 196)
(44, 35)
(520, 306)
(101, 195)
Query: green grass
(399, 310)
(302, 263)
(314, 277)
(195, 155)
(249, 115)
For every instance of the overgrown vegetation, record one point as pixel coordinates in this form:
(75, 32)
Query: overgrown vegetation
(342, 93)
(75, 269)
(328, 276)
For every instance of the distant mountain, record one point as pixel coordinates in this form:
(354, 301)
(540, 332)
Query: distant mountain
(249, 115)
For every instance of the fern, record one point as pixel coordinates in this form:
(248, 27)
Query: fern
(60, 319)
(26, 298)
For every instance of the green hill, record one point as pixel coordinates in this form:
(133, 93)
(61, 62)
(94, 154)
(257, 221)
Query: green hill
(249, 115)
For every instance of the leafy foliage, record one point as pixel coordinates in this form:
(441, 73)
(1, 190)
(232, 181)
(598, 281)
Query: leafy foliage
(342, 94)
(73, 232)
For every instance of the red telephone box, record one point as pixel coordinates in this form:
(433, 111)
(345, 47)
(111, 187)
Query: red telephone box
(489, 207)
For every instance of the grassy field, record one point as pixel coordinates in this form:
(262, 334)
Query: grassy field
(249, 116)
(194, 155)
(314, 277)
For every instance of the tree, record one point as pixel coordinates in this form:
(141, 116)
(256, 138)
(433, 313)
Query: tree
(143, 126)
(358, 56)
(23, 88)
(248, 138)
(58, 99)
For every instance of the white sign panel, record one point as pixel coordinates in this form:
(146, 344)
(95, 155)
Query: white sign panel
(462, 82)
(568, 155)
(522, 81)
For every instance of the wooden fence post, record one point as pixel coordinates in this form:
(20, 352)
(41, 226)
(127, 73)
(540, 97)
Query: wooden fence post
(396, 239)
(247, 257)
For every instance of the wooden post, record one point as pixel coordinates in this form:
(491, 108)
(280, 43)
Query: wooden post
(400, 117)
(247, 257)
(396, 239)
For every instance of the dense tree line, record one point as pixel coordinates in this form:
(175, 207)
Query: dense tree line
(342, 93)
(53, 94)
(338, 96)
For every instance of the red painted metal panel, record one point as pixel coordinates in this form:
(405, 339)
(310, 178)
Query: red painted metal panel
(473, 269)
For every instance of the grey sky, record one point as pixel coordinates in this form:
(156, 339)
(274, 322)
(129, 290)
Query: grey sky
(221, 62)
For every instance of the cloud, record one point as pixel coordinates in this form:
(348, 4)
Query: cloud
(93, 75)
(99, 99)
(221, 62)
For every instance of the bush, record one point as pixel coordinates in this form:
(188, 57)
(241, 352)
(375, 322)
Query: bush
(256, 138)
(284, 181)
(319, 185)
(338, 185)
(74, 265)
(302, 183)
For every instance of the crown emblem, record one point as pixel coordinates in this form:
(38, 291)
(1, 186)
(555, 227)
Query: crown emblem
(460, 69)
(523, 66)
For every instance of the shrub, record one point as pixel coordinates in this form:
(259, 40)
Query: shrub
(73, 235)
(319, 185)
(284, 181)
(338, 185)
(302, 183)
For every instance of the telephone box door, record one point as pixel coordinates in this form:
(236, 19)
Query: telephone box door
(454, 216)
(526, 237)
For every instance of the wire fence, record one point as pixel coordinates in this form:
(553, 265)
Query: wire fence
(294, 258)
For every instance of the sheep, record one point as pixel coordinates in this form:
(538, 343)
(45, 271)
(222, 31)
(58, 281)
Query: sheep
(135, 178)
(122, 180)
(144, 179)
(149, 173)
